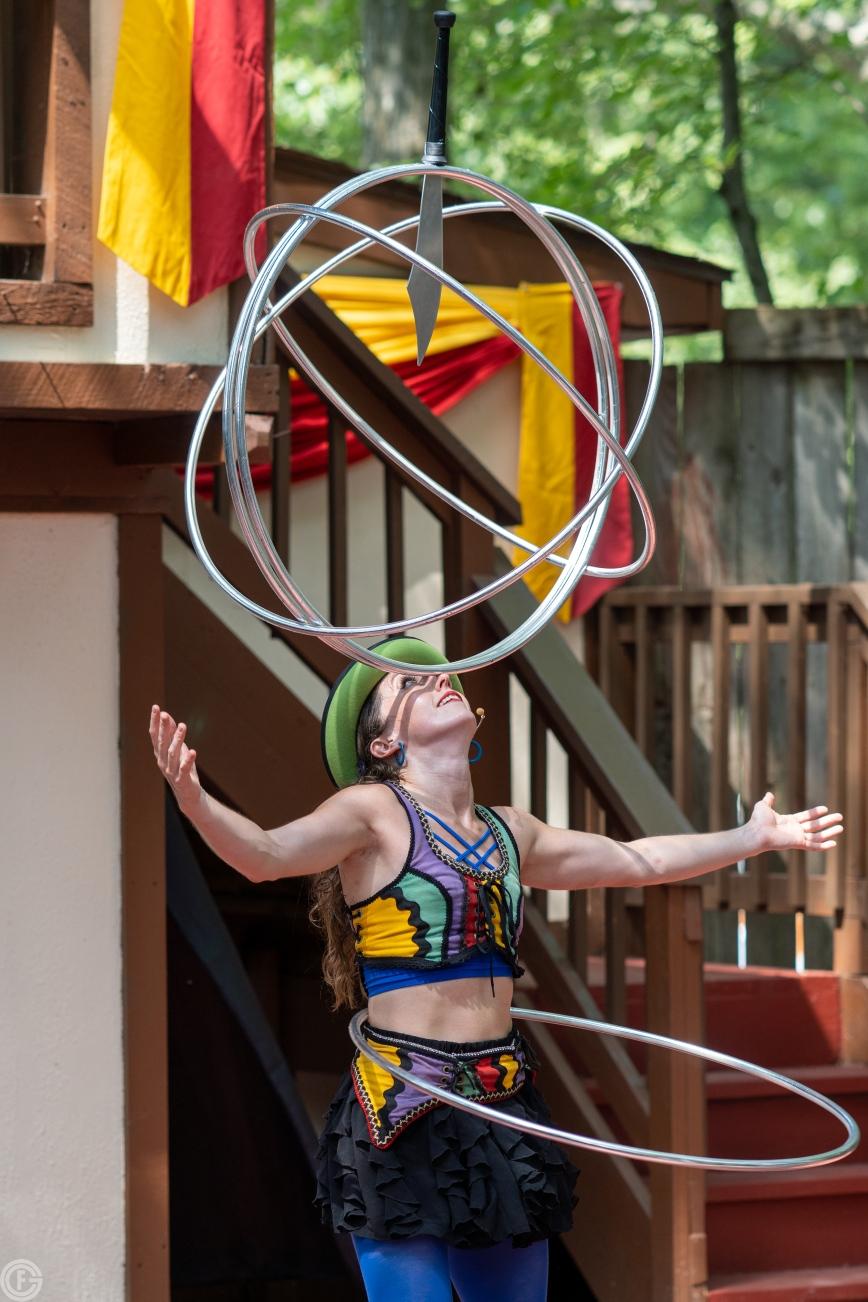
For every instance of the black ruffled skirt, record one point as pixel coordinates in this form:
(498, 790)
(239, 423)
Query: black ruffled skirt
(450, 1174)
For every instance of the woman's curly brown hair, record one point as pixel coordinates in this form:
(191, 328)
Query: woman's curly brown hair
(329, 912)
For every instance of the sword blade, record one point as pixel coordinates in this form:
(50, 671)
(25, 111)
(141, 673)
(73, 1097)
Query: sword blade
(423, 289)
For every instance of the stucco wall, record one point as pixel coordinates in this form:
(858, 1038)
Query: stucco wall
(61, 1069)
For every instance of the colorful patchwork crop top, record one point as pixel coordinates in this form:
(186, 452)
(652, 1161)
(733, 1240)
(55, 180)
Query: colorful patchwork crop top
(447, 905)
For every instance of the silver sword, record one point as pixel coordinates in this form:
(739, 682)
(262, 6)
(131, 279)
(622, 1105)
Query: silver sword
(424, 290)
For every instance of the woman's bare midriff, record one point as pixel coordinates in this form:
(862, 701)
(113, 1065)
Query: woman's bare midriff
(462, 1009)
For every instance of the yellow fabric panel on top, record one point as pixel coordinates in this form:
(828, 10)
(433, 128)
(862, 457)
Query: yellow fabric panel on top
(379, 312)
(144, 215)
(547, 446)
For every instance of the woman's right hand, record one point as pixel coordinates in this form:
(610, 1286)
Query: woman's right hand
(176, 761)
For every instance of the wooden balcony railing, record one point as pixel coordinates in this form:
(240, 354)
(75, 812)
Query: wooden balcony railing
(733, 691)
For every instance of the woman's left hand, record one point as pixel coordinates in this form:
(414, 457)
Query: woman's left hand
(811, 829)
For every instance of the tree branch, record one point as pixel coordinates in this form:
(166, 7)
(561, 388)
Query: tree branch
(732, 187)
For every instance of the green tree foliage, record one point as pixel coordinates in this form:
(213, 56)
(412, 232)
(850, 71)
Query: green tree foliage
(612, 108)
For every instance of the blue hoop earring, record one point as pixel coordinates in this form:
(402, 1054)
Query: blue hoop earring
(401, 757)
(474, 759)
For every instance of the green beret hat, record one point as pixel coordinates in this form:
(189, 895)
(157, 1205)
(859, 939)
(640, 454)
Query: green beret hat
(340, 718)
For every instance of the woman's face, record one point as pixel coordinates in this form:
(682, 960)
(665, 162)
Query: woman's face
(423, 709)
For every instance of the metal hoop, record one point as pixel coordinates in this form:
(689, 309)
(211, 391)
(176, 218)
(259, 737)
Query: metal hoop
(627, 1150)
(258, 313)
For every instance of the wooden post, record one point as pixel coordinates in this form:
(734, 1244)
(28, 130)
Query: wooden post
(720, 670)
(851, 942)
(797, 873)
(758, 680)
(673, 974)
(143, 862)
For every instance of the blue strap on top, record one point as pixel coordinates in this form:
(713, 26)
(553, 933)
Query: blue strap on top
(481, 860)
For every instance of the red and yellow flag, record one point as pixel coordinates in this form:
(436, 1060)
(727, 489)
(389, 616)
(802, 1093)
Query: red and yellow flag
(184, 162)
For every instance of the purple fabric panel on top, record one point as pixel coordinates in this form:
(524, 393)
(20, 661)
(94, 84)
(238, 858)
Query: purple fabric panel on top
(448, 878)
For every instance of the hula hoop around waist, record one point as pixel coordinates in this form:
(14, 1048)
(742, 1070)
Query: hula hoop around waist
(490, 1113)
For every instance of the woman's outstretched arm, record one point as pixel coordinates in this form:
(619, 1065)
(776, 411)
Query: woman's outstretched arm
(312, 844)
(558, 859)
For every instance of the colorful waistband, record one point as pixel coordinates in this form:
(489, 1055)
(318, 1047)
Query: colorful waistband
(483, 1070)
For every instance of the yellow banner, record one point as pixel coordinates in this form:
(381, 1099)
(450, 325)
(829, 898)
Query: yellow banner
(144, 214)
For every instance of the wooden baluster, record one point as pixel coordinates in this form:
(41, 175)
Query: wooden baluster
(797, 871)
(682, 732)
(591, 622)
(577, 918)
(538, 787)
(394, 544)
(758, 695)
(281, 467)
(644, 680)
(617, 675)
(221, 501)
(337, 499)
(721, 815)
(467, 553)
(616, 955)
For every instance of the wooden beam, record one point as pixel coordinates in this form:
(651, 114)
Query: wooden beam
(60, 466)
(22, 219)
(165, 440)
(143, 912)
(111, 391)
(43, 303)
(766, 334)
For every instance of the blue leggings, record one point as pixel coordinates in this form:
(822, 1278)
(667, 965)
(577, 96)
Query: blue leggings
(424, 1269)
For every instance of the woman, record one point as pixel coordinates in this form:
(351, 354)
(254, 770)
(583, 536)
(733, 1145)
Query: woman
(425, 909)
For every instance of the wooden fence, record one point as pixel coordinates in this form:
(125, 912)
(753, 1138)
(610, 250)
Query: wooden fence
(757, 471)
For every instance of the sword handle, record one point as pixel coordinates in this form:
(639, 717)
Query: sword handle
(435, 143)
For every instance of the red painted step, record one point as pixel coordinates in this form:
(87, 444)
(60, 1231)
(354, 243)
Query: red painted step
(748, 1117)
(752, 1118)
(834, 1284)
(770, 1016)
(787, 1221)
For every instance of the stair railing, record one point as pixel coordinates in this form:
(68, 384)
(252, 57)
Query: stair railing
(737, 690)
